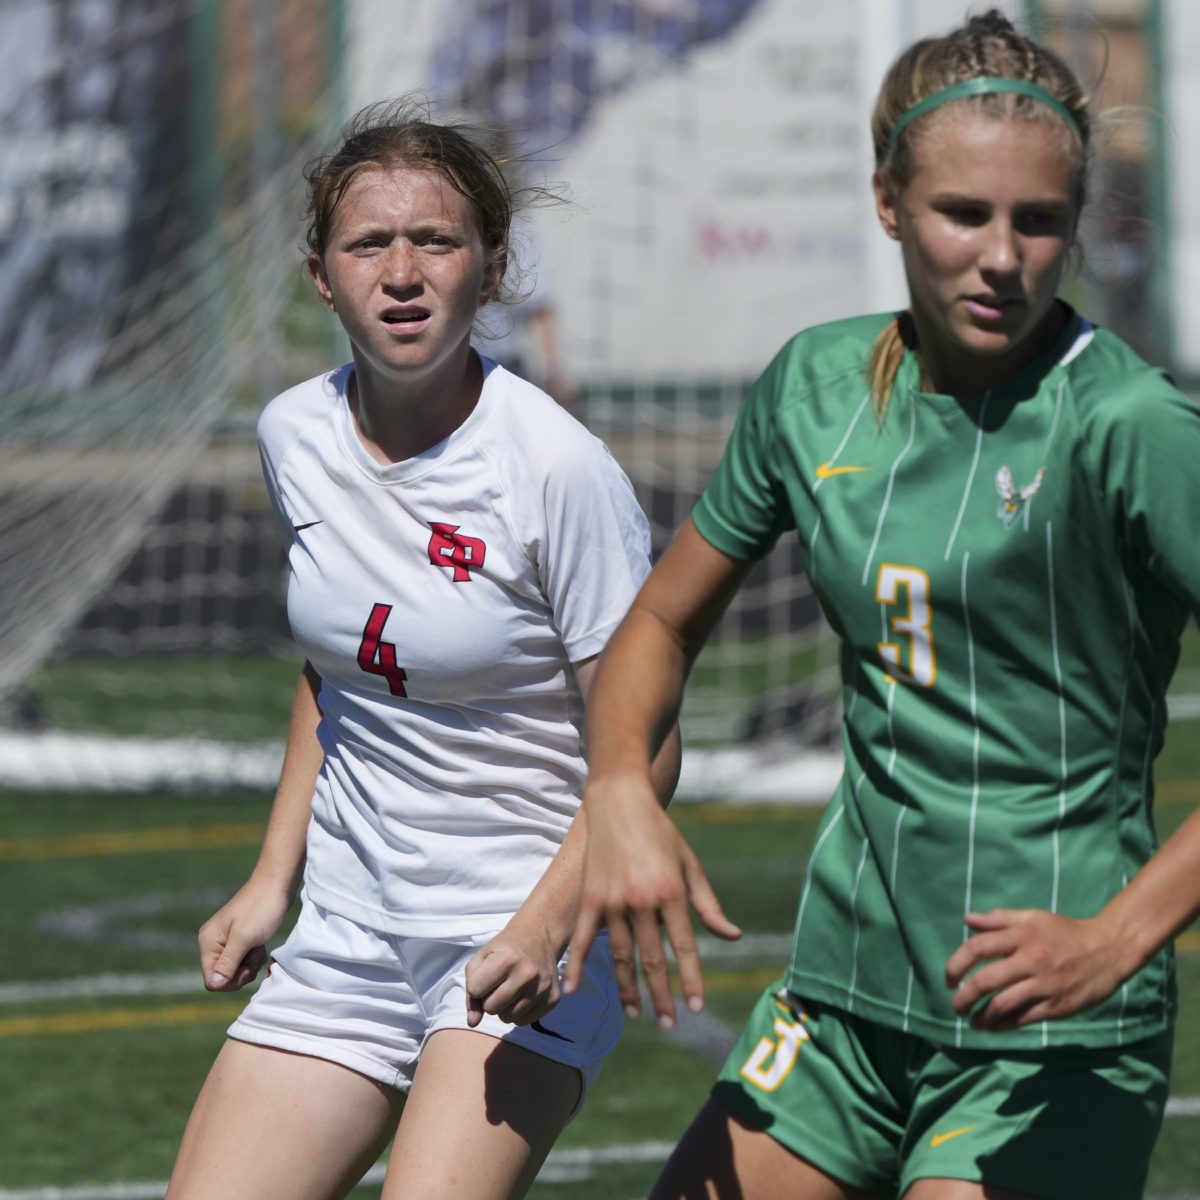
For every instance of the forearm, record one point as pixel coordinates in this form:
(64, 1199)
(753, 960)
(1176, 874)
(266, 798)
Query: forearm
(631, 726)
(554, 901)
(281, 860)
(1159, 902)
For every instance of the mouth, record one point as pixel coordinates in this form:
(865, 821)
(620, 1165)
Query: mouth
(990, 308)
(404, 316)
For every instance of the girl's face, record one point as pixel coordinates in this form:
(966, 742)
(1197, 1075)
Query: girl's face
(985, 225)
(406, 273)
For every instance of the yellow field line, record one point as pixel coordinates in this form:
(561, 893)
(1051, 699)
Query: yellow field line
(121, 1018)
(138, 841)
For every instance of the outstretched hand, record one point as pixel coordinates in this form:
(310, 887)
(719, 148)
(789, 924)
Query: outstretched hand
(233, 941)
(639, 874)
(1033, 965)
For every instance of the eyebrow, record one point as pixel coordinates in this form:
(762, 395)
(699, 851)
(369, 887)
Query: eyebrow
(952, 197)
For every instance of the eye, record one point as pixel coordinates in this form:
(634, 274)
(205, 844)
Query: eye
(1041, 222)
(963, 213)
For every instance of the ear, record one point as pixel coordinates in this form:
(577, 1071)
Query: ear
(316, 268)
(886, 203)
(493, 274)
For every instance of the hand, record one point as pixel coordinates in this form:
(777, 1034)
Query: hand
(1038, 966)
(640, 873)
(515, 976)
(233, 942)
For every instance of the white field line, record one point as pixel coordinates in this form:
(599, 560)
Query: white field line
(563, 1166)
(93, 987)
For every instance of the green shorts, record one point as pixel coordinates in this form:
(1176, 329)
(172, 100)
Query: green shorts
(879, 1109)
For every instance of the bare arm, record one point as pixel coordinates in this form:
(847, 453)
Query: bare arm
(640, 872)
(515, 975)
(233, 941)
(1035, 965)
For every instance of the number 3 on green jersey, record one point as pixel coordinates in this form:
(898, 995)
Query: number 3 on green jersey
(908, 586)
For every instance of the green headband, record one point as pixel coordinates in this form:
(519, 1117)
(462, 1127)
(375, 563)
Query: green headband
(981, 86)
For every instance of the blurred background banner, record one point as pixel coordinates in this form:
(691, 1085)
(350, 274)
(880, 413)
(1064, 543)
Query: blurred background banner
(716, 160)
(94, 140)
(717, 152)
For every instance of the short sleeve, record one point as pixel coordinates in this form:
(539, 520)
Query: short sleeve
(744, 509)
(596, 550)
(1144, 447)
(273, 440)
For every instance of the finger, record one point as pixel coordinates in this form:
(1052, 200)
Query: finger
(987, 981)
(474, 1011)
(687, 956)
(1011, 1007)
(978, 949)
(536, 1009)
(222, 972)
(704, 901)
(995, 918)
(249, 967)
(211, 942)
(654, 966)
(586, 928)
(484, 970)
(621, 946)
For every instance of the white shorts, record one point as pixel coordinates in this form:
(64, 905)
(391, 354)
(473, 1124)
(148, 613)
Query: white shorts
(369, 1001)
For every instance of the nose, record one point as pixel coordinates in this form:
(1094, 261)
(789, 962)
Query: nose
(401, 272)
(1002, 251)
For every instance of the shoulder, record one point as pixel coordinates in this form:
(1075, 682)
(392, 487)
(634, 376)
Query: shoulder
(822, 356)
(291, 413)
(534, 433)
(814, 377)
(1114, 388)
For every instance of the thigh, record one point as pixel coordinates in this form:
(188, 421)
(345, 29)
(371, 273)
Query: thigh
(960, 1189)
(481, 1117)
(721, 1157)
(272, 1125)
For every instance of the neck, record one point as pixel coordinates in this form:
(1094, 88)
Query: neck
(395, 422)
(954, 371)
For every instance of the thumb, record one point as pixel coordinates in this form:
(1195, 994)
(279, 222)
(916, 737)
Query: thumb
(226, 965)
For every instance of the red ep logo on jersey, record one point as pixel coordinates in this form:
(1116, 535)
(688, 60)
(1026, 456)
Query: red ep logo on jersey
(449, 548)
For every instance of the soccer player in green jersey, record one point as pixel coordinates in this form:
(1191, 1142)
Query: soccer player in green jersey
(995, 504)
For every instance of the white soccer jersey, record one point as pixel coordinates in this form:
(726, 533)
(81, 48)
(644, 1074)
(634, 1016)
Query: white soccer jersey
(442, 600)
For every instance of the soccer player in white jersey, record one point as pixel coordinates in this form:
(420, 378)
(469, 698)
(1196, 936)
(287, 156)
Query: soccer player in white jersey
(996, 505)
(460, 550)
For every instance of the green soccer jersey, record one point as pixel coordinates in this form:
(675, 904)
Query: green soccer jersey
(1010, 576)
